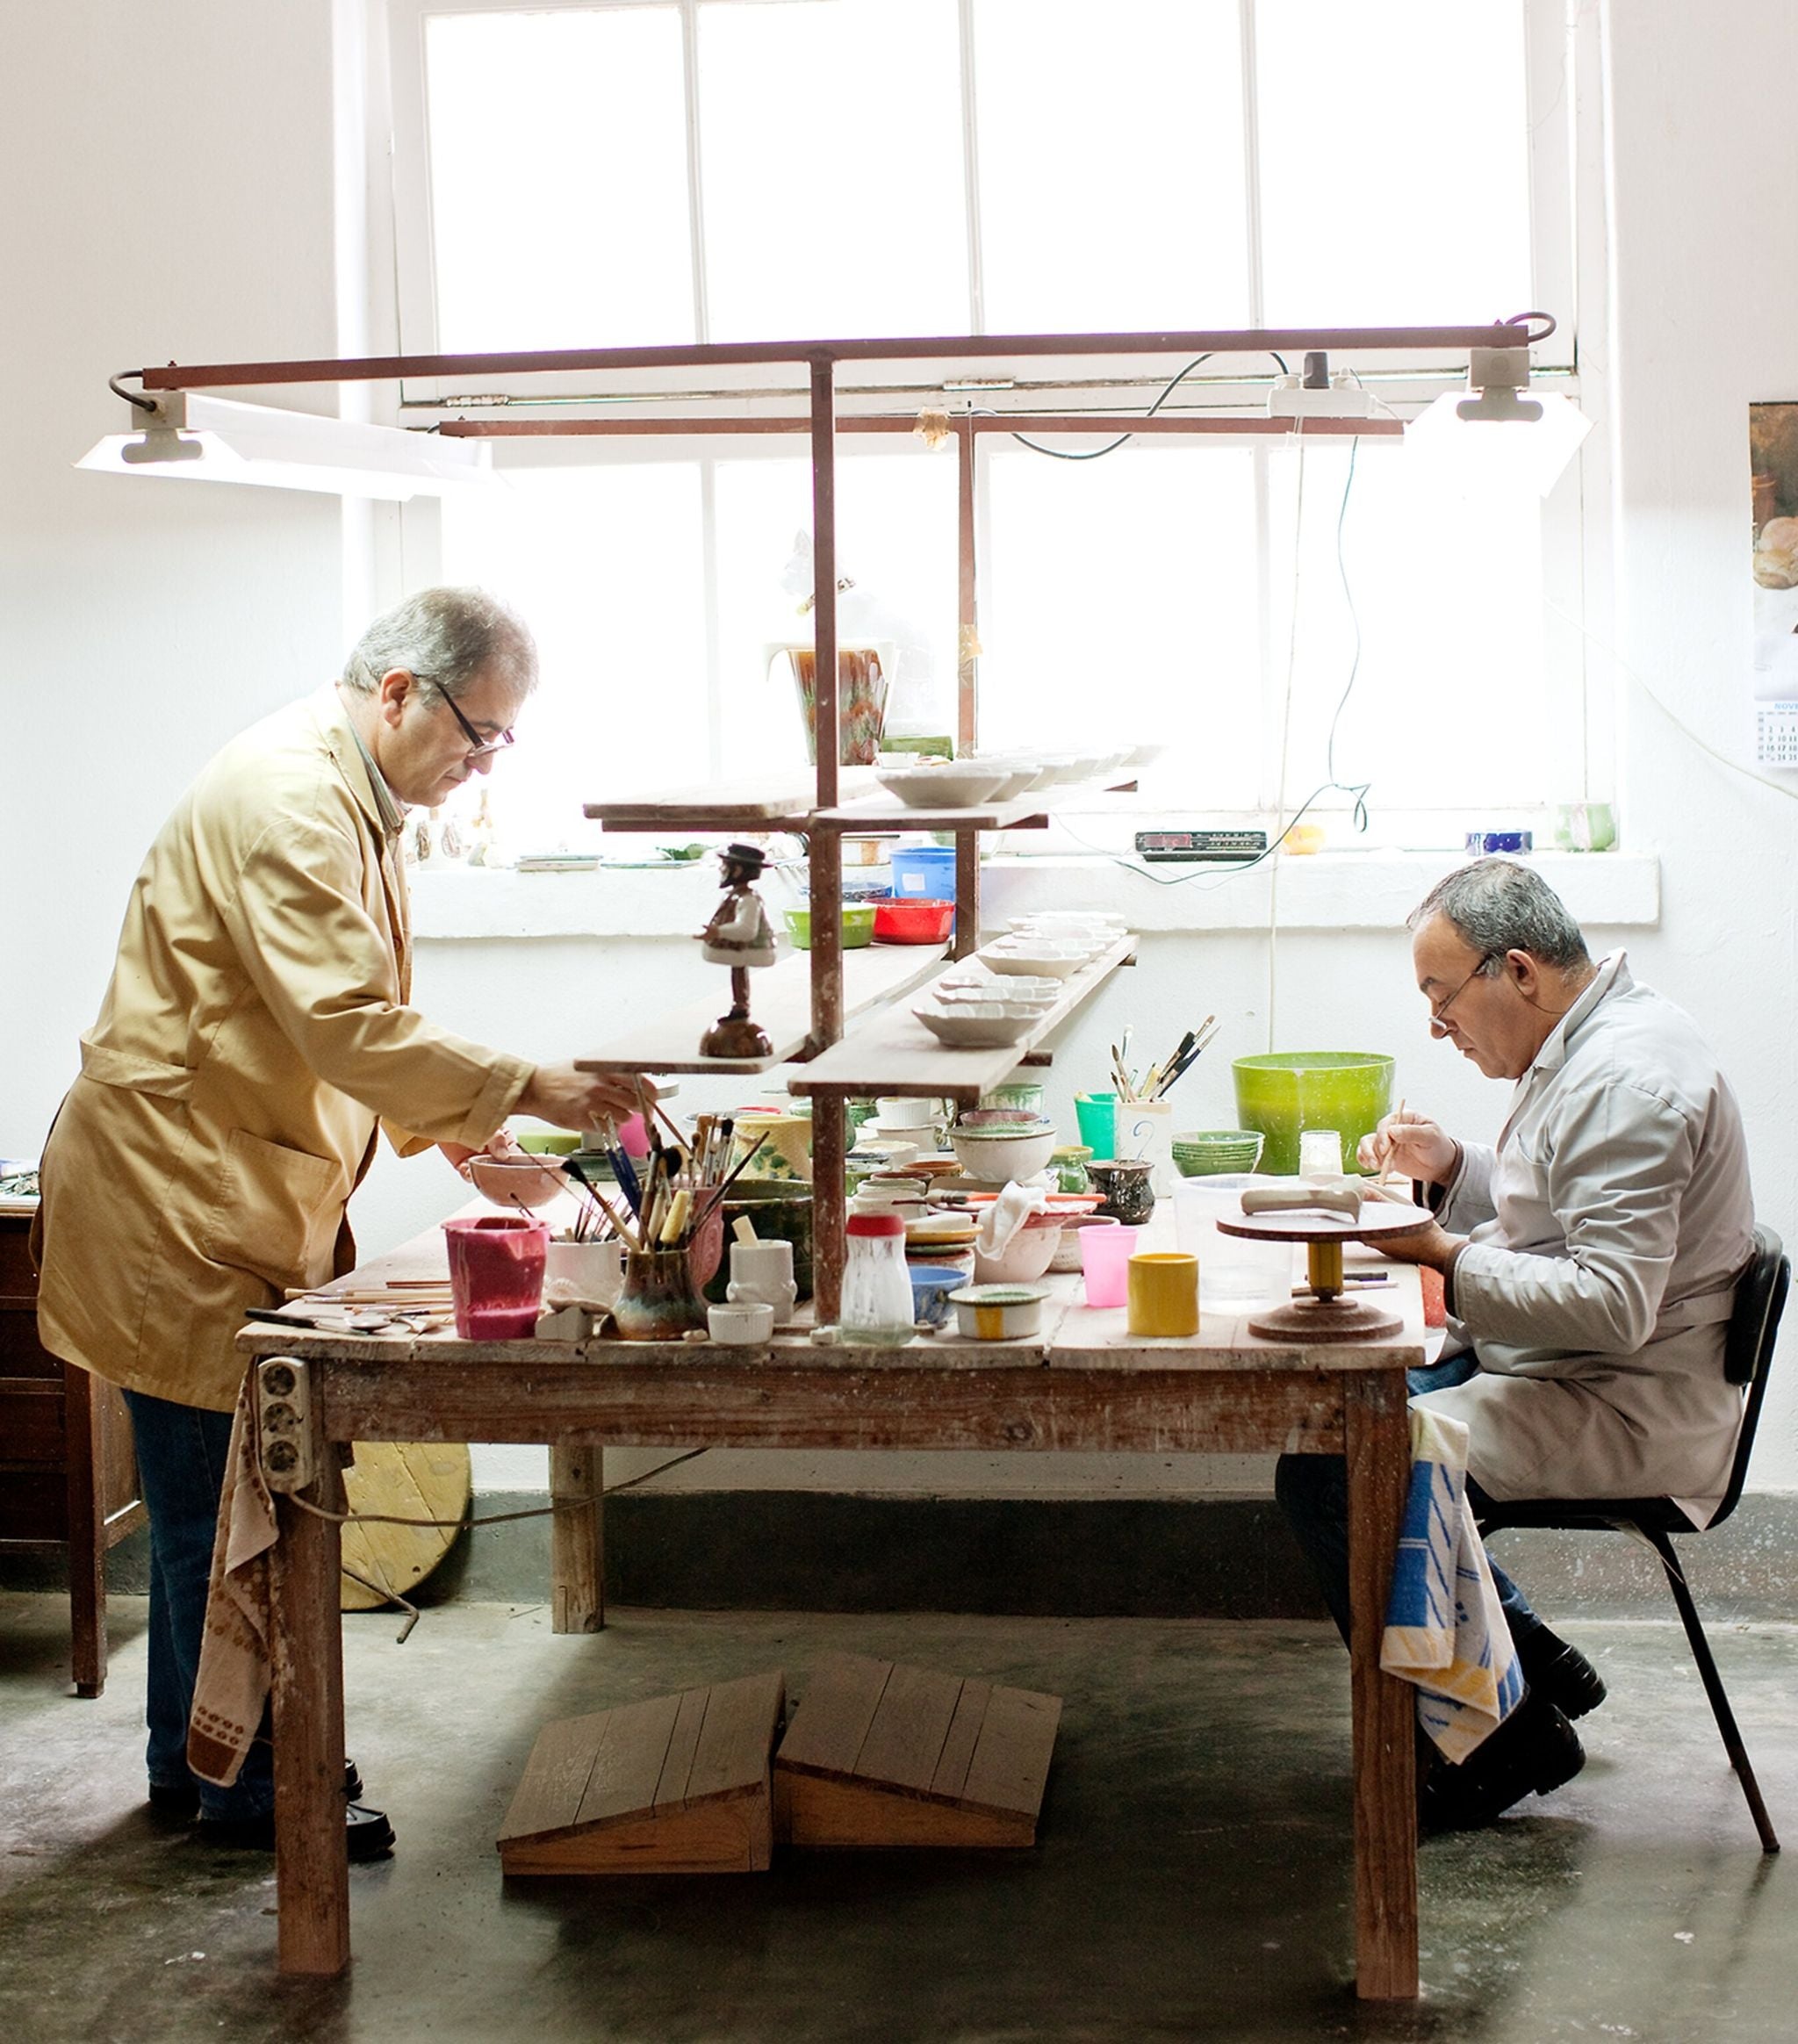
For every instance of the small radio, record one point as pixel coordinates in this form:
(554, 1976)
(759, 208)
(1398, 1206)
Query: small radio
(1172, 845)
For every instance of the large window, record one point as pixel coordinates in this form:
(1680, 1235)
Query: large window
(669, 170)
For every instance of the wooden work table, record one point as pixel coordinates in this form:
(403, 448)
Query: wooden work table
(1083, 1384)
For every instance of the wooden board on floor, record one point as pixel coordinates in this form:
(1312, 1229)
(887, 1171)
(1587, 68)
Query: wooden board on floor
(675, 1785)
(425, 1479)
(882, 1754)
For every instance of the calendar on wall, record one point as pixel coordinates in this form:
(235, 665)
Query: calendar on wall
(1773, 451)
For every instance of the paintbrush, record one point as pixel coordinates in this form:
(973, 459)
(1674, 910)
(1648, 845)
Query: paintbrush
(725, 1184)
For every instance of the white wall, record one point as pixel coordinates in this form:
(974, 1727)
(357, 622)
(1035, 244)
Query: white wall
(174, 197)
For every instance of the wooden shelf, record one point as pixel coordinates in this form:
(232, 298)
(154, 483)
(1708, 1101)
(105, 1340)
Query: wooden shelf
(775, 801)
(780, 1001)
(893, 1054)
(886, 812)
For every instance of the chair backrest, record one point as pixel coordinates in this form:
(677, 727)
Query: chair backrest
(1748, 1347)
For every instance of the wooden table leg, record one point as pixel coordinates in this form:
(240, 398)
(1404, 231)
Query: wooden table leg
(1378, 1448)
(312, 1863)
(578, 1538)
(87, 1537)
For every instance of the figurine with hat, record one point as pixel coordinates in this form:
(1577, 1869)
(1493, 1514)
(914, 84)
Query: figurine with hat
(739, 935)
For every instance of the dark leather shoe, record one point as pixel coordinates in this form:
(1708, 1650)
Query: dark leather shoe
(179, 1802)
(1532, 1753)
(367, 1833)
(1556, 1669)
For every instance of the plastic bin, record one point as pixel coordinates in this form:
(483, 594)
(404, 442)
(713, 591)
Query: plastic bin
(925, 872)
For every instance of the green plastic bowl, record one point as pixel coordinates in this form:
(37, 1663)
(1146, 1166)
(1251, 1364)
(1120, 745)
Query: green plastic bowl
(858, 926)
(1285, 1091)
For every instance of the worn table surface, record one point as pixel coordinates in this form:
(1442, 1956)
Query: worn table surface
(1084, 1383)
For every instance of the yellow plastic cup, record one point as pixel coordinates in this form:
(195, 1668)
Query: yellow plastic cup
(1163, 1295)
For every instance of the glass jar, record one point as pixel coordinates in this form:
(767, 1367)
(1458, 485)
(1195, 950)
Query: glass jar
(876, 1290)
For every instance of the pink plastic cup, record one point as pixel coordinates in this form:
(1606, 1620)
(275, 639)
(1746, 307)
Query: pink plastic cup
(496, 1275)
(1104, 1258)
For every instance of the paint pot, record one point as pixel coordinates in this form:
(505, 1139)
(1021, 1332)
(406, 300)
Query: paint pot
(496, 1275)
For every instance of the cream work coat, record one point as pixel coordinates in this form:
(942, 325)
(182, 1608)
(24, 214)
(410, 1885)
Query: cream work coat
(1608, 1228)
(256, 1028)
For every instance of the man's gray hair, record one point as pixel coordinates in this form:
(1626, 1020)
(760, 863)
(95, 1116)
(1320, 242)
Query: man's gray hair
(445, 638)
(1498, 905)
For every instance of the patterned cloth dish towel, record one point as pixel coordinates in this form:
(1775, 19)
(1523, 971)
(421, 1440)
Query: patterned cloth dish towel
(1445, 1629)
(233, 1683)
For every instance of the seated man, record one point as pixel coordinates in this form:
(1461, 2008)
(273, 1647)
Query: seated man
(1589, 1263)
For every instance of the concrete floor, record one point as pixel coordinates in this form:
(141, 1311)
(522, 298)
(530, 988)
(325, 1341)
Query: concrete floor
(1191, 1880)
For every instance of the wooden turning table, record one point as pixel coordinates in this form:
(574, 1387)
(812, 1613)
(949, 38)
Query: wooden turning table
(1083, 1384)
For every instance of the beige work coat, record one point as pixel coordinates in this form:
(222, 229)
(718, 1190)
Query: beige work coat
(256, 1028)
(1608, 1228)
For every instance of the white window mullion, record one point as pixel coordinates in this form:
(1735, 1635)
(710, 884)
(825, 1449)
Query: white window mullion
(695, 194)
(1251, 157)
(970, 170)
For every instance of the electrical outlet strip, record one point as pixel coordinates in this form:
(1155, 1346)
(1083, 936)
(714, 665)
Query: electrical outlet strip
(285, 1422)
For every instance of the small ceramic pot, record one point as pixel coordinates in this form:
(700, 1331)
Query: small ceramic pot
(761, 1274)
(931, 1288)
(659, 1301)
(1124, 1188)
(583, 1273)
(751, 1321)
(998, 1313)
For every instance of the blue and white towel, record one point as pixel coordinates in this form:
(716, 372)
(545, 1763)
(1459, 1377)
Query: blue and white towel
(1445, 1628)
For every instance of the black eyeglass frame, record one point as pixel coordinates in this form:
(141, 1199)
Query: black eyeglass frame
(477, 743)
(1438, 1008)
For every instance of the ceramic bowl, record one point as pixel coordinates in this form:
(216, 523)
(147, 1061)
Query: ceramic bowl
(858, 926)
(516, 1182)
(1039, 962)
(998, 1313)
(1022, 1261)
(931, 1285)
(1019, 774)
(979, 1025)
(950, 784)
(1007, 1156)
(744, 1321)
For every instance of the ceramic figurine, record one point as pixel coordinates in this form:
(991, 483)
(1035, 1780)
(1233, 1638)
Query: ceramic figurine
(739, 935)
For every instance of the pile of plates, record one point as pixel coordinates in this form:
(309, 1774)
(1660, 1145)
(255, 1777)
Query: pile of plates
(1205, 1152)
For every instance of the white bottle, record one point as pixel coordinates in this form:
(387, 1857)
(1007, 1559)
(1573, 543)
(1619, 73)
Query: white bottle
(876, 1292)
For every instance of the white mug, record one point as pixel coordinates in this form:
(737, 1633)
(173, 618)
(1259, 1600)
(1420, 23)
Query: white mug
(761, 1274)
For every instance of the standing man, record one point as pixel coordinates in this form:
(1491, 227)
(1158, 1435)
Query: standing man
(256, 1034)
(1589, 1263)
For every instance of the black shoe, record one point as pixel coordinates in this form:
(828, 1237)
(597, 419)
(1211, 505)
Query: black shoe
(1558, 1671)
(1532, 1751)
(367, 1833)
(179, 1802)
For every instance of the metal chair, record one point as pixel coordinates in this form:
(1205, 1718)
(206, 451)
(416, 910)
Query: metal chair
(1748, 1353)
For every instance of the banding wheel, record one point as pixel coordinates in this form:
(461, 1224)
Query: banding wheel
(1327, 1315)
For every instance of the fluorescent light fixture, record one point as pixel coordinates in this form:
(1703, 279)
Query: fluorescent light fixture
(1500, 434)
(191, 438)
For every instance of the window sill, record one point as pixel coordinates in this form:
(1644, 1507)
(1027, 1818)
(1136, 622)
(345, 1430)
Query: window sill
(1325, 890)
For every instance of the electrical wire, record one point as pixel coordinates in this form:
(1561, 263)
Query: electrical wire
(1095, 453)
(136, 397)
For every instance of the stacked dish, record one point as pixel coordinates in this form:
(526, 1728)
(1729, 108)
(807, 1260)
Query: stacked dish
(1205, 1152)
(979, 1025)
(944, 783)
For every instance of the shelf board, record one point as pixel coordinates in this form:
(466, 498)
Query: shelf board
(779, 1000)
(886, 812)
(774, 801)
(893, 1054)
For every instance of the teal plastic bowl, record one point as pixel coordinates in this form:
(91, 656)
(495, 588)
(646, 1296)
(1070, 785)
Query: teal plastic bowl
(1285, 1091)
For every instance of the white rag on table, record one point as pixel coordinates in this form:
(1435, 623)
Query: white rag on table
(1445, 1628)
(1006, 1215)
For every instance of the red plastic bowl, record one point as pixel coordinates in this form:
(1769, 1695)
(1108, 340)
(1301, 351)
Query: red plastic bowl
(912, 921)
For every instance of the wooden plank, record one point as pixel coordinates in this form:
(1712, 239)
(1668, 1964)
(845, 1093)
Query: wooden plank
(683, 1743)
(781, 1002)
(549, 1795)
(628, 1765)
(905, 1740)
(771, 802)
(1032, 810)
(821, 1812)
(893, 1052)
(578, 1538)
(1378, 1454)
(736, 1741)
(834, 1714)
(951, 1777)
(1010, 1765)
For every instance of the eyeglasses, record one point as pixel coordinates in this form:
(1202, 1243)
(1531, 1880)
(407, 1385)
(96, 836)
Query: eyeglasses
(1438, 1008)
(476, 743)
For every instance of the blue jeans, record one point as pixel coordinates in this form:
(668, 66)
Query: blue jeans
(181, 1458)
(1314, 1494)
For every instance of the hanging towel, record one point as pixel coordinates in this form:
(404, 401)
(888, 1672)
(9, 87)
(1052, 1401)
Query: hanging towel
(1445, 1629)
(232, 1686)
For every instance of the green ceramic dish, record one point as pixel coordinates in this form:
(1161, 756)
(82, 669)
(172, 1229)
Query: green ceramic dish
(858, 926)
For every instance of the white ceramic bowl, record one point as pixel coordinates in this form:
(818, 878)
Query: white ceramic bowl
(1063, 962)
(1019, 774)
(979, 1025)
(1023, 1259)
(1004, 1157)
(998, 1313)
(743, 1320)
(953, 784)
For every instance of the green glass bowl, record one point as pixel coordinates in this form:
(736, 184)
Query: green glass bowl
(1285, 1091)
(858, 926)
